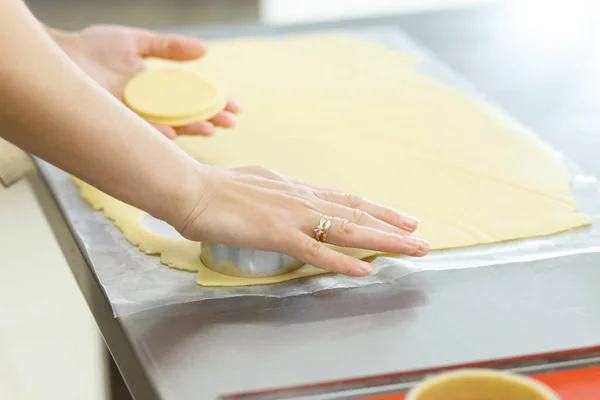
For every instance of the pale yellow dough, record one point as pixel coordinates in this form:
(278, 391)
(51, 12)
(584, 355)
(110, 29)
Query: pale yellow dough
(173, 94)
(207, 114)
(338, 111)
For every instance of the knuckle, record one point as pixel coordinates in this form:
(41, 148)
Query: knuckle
(266, 171)
(411, 245)
(391, 216)
(347, 228)
(163, 43)
(399, 242)
(252, 169)
(359, 216)
(355, 201)
(325, 196)
(311, 250)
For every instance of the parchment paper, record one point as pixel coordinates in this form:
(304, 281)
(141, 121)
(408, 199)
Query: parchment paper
(135, 282)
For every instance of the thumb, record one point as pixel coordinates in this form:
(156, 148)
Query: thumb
(170, 47)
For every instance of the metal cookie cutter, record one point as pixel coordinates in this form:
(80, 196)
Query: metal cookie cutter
(246, 263)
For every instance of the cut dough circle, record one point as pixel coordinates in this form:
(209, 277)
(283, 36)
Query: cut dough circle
(217, 107)
(173, 94)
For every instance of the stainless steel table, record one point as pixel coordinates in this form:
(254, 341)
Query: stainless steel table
(427, 320)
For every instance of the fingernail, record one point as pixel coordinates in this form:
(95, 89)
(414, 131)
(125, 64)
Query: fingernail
(364, 267)
(410, 222)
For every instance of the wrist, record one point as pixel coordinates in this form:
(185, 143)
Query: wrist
(187, 196)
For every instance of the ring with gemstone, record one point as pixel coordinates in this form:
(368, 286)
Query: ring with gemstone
(322, 229)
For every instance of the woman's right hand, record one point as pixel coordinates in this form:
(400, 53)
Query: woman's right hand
(258, 208)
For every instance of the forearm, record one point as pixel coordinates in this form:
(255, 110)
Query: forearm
(53, 110)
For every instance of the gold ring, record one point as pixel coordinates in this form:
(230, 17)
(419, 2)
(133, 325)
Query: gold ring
(322, 229)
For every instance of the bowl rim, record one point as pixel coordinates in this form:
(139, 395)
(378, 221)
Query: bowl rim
(481, 373)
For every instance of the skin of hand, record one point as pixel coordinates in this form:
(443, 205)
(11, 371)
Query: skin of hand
(51, 108)
(258, 208)
(112, 55)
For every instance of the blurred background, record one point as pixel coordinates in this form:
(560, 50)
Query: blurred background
(76, 14)
(49, 344)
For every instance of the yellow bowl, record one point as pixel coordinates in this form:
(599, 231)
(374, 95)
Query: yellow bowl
(481, 384)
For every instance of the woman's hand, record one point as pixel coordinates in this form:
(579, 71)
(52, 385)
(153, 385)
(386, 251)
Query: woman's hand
(260, 209)
(112, 55)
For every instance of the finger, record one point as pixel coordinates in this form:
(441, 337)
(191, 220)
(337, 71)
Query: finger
(348, 234)
(168, 131)
(314, 253)
(203, 128)
(171, 47)
(233, 106)
(359, 217)
(385, 214)
(224, 119)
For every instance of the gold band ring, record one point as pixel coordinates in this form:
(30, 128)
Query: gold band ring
(322, 229)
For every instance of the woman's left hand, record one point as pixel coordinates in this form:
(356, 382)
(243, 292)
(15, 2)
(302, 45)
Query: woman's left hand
(112, 55)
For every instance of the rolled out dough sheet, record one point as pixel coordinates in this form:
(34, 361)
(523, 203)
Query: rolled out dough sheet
(339, 111)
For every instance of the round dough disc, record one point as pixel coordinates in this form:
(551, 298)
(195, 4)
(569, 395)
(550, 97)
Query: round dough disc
(170, 93)
(207, 114)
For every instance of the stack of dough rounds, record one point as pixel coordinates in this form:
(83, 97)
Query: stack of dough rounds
(173, 97)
